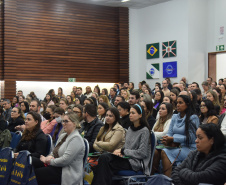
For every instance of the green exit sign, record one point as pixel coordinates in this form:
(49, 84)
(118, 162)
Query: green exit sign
(220, 48)
(71, 79)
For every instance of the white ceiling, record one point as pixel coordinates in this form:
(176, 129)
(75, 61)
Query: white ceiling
(117, 3)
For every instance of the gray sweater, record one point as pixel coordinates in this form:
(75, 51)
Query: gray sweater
(71, 154)
(138, 148)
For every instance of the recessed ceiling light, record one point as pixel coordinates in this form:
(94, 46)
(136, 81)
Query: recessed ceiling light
(123, 1)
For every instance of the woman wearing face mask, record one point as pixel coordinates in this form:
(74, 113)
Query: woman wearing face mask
(48, 124)
(58, 128)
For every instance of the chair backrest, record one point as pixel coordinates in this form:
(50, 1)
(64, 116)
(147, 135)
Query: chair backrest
(86, 152)
(16, 136)
(49, 144)
(153, 145)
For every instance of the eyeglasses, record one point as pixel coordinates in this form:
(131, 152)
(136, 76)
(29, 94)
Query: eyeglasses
(65, 121)
(14, 111)
(77, 112)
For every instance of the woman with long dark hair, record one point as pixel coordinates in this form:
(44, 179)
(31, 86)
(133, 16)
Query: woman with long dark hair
(124, 108)
(137, 147)
(148, 109)
(102, 110)
(208, 112)
(195, 104)
(159, 95)
(207, 164)
(112, 135)
(24, 107)
(180, 139)
(48, 99)
(33, 138)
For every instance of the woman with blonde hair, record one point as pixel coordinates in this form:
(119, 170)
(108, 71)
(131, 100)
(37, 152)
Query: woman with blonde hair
(104, 98)
(126, 95)
(212, 96)
(65, 163)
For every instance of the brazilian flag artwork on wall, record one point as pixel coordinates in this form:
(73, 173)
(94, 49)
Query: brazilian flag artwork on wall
(169, 49)
(152, 50)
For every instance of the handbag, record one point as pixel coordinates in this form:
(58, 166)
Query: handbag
(22, 172)
(6, 165)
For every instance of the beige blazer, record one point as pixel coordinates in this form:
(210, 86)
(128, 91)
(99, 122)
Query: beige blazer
(114, 139)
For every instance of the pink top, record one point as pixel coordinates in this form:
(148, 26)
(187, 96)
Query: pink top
(223, 111)
(47, 126)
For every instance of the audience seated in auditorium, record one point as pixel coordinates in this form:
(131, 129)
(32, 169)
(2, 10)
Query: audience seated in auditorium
(65, 163)
(118, 99)
(101, 110)
(17, 118)
(208, 112)
(24, 107)
(148, 109)
(180, 139)
(159, 95)
(15, 102)
(212, 96)
(3, 123)
(112, 135)
(50, 122)
(33, 138)
(124, 109)
(58, 128)
(134, 97)
(7, 106)
(207, 164)
(91, 126)
(64, 103)
(60, 93)
(137, 147)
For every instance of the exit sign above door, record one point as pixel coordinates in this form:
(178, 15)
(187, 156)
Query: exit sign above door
(220, 48)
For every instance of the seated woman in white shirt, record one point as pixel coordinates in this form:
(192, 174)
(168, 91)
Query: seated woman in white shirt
(161, 127)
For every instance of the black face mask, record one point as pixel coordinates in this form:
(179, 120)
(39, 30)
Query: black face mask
(47, 115)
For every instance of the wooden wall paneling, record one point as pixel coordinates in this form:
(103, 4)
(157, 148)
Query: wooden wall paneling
(124, 44)
(1, 39)
(56, 40)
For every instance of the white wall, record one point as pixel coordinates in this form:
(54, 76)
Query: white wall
(195, 24)
(158, 23)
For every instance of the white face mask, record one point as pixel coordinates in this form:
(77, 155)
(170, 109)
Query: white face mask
(41, 109)
(59, 119)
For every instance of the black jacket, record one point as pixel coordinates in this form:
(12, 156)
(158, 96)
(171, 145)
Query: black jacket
(151, 121)
(90, 131)
(13, 123)
(125, 121)
(3, 124)
(198, 168)
(36, 146)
